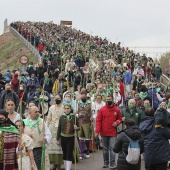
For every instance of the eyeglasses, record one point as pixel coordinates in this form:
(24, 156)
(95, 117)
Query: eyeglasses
(67, 108)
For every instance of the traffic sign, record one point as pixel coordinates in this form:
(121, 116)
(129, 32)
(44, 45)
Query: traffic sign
(23, 59)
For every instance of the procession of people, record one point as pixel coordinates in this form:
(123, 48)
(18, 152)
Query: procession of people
(86, 93)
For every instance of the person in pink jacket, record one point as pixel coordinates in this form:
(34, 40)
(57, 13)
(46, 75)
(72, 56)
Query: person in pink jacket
(108, 118)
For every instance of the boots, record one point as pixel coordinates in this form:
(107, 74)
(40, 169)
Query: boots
(81, 145)
(68, 165)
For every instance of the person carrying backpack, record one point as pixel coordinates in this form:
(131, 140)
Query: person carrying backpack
(156, 144)
(129, 159)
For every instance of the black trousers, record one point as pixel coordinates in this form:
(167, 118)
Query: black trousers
(67, 144)
(160, 166)
(1, 166)
(37, 157)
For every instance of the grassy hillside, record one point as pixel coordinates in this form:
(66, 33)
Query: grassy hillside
(11, 49)
(165, 62)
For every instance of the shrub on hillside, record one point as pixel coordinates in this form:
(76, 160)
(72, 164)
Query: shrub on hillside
(165, 63)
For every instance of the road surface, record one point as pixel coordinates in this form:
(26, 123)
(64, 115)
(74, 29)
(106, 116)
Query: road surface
(90, 164)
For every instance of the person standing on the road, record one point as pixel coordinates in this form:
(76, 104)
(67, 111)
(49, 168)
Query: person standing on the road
(156, 144)
(55, 151)
(108, 118)
(34, 128)
(122, 143)
(68, 123)
(85, 118)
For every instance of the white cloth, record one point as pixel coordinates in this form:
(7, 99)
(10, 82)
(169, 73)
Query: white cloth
(96, 107)
(28, 145)
(161, 99)
(17, 117)
(52, 121)
(54, 115)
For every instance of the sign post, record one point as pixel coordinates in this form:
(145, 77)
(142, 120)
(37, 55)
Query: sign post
(24, 61)
(66, 22)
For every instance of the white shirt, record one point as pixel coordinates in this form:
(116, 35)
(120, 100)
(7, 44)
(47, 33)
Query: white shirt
(96, 107)
(17, 117)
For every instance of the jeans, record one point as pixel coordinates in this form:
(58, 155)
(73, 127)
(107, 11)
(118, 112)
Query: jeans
(37, 157)
(127, 89)
(108, 143)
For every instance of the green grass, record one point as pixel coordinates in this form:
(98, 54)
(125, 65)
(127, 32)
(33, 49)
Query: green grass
(10, 53)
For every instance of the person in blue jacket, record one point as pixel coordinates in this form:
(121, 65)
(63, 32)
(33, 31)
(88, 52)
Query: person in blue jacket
(127, 79)
(156, 144)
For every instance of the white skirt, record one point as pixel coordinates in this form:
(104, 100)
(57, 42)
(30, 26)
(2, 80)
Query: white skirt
(26, 164)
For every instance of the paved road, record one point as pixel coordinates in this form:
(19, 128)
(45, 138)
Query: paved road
(96, 164)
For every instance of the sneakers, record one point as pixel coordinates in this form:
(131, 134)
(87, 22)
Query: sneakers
(113, 166)
(105, 166)
(81, 158)
(87, 156)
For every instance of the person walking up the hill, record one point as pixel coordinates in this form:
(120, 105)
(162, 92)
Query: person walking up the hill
(127, 79)
(15, 82)
(157, 71)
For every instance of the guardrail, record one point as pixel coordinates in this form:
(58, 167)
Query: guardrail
(165, 80)
(32, 49)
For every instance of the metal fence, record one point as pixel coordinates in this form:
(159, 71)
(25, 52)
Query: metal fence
(165, 80)
(32, 49)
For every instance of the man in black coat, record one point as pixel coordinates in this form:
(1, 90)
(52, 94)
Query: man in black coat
(122, 143)
(156, 144)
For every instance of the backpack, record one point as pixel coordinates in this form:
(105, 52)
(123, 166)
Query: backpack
(133, 151)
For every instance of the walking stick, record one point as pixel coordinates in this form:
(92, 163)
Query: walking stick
(21, 126)
(75, 138)
(43, 135)
(92, 128)
(93, 140)
(152, 95)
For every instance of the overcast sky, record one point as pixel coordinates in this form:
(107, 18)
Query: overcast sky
(135, 23)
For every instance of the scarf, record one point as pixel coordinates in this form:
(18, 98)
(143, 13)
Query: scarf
(31, 125)
(10, 129)
(139, 81)
(46, 80)
(68, 116)
(83, 104)
(143, 95)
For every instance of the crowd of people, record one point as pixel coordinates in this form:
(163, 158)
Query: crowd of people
(86, 91)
